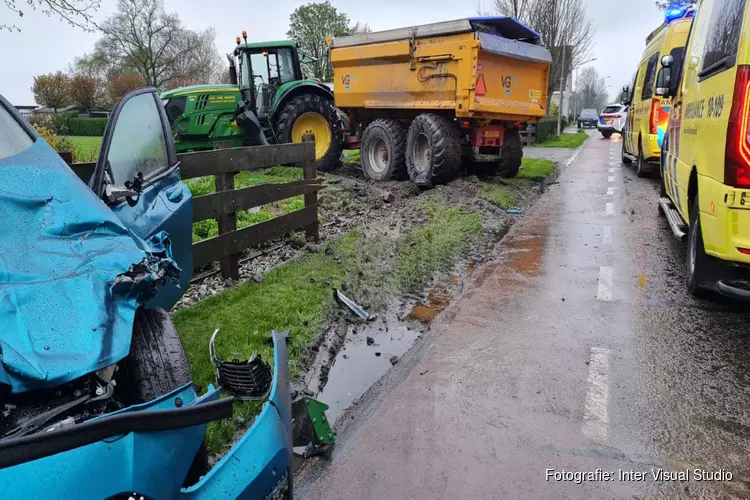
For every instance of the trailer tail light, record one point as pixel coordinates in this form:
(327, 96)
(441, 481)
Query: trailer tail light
(654, 128)
(481, 88)
(737, 157)
(746, 251)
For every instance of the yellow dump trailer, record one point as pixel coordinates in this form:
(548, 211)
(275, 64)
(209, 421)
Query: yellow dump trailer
(425, 99)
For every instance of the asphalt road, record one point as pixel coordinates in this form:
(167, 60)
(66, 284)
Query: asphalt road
(578, 350)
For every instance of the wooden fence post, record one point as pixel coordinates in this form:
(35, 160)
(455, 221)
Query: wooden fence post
(312, 231)
(229, 266)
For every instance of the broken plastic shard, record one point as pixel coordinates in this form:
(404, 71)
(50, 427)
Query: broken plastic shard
(353, 306)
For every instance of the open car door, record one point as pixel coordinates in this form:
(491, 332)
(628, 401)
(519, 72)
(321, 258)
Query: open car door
(138, 176)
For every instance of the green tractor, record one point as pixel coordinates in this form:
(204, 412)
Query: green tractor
(270, 101)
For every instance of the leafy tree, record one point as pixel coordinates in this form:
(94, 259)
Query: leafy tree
(310, 24)
(85, 91)
(75, 12)
(124, 83)
(52, 90)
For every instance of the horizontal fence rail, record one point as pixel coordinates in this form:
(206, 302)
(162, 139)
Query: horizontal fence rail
(226, 202)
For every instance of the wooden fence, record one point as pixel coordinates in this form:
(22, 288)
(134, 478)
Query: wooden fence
(227, 201)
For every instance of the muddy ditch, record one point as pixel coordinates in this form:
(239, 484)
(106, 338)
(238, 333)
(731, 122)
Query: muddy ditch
(395, 270)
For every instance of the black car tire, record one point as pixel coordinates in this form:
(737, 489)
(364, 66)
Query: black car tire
(157, 363)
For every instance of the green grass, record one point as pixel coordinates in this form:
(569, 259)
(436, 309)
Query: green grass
(503, 196)
(449, 231)
(86, 149)
(297, 296)
(571, 141)
(274, 175)
(536, 169)
(351, 157)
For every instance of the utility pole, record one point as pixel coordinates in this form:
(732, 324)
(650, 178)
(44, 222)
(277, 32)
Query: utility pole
(562, 91)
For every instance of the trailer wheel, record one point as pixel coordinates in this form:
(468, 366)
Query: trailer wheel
(314, 115)
(384, 150)
(433, 150)
(512, 154)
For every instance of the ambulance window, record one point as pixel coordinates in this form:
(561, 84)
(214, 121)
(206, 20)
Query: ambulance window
(724, 30)
(648, 81)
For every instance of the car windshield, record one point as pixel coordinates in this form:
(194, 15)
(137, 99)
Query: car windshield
(13, 139)
(611, 109)
(589, 112)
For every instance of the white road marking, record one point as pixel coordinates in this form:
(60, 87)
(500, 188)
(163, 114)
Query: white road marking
(605, 284)
(607, 235)
(611, 178)
(595, 414)
(610, 190)
(610, 209)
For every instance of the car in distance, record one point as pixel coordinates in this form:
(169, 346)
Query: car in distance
(612, 120)
(588, 118)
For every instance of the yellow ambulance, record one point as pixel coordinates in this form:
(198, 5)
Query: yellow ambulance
(706, 159)
(649, 113)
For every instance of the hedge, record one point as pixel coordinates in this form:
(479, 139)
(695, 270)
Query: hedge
(546, 129)
(93, 127)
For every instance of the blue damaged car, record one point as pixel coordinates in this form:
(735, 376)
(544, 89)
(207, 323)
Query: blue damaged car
(96, 399)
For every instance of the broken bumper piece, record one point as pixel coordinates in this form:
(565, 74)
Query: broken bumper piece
(148, 449)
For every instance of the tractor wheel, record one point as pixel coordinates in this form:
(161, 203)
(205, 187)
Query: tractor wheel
(433, 150)
(314, 115)
(384, 150)
(512, 154)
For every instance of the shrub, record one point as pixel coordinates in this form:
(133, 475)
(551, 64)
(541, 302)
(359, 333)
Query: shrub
(59, 144)
(44, 121)
(546, 129)
(93, 127)
(61, 123)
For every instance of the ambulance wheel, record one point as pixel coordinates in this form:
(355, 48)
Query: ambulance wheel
(698, 263)
(641, 169)
(625, 158)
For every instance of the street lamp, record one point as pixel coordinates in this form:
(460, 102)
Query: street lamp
(578, 74)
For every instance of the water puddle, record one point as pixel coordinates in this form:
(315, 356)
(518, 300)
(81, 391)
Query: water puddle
(364, 358)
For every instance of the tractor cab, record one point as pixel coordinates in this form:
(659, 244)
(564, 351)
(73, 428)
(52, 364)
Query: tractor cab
(264, 69)
(279, 104)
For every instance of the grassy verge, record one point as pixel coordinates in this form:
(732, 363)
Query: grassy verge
(86, 148)
(536, 169)
(504, 193)
(298, 295)
(274, 175)
(571, 141)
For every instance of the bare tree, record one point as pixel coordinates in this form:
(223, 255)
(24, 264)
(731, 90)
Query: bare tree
(144, 38)
(75, 12)
(562, 24)
(205, 64)
(593, 89)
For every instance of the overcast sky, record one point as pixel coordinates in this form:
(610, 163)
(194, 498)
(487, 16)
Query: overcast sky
(46, 45)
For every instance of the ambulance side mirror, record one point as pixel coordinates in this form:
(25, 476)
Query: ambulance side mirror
(664, 82)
